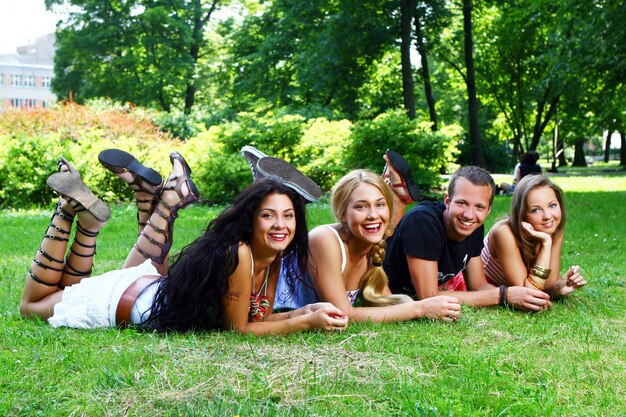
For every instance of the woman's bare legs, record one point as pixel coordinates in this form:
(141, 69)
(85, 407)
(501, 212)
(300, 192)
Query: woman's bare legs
(155, 241)
(399, 208)
(50, 272)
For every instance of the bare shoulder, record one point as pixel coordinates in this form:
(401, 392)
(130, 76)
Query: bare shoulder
(245, 257)
(324, 245)
(501, 230)
(321, 235)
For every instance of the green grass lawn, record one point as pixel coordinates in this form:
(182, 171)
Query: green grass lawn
(569, 361)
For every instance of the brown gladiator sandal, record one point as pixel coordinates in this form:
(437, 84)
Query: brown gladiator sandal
(72, 188)
(62, 214)
(73, 271)
(120, 162)
(193, 196)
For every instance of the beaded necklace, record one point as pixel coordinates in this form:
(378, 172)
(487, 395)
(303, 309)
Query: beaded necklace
(259, 303)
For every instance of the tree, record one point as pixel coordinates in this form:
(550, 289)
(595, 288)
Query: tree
(314, 54)
(524, 67)
(140, 51)
(478, 158)
(407, 8)
(429, 20)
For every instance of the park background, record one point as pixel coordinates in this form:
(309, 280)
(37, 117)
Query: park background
(328, 86)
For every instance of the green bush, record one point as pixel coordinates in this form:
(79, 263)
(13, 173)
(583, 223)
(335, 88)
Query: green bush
(325, 150)
(319, 153)
(312, 146)
(426, 152)
(25, 163)
(34, 139)
(219, 175)
(274, 135)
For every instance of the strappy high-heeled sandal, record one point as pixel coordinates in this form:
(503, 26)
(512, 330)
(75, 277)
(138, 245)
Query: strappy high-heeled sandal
(69, 269)
(170, 217)
(120, 162)
(62, 214)
(72, 188)
(401, 168)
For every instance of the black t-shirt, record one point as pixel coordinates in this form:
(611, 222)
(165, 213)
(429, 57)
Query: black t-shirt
(421, 233)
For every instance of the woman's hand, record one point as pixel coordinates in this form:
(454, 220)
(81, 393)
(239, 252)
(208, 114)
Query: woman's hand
(569, 282)
(325, 316)
(544, 237)
(441, 307)
(310, 308)
(527, 299)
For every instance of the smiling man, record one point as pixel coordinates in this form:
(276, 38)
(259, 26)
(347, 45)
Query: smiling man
(436, 247)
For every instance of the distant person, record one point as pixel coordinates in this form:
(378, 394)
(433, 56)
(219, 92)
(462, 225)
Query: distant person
(525, 248)
(526, 166)
(435, 249)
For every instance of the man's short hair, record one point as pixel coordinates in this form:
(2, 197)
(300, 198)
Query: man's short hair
(476, 176)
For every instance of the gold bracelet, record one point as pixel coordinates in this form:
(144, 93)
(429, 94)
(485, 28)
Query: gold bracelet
(540, 272)
(534, 284)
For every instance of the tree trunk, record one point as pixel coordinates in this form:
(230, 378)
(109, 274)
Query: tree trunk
(579, 154)
(408, 92)
(518, 149)
(200, 19)
(560, 151)
(622, 150)
(540, 125)
(194, 50)
(478, 157)
(555, 141)
(607, 145)
(421, 48)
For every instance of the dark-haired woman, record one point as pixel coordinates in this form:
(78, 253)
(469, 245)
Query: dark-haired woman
(225, 279)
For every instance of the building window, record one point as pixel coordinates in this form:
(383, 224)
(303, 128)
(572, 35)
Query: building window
(18, 80)
(23, 102)
(28, 80)
(46, 82)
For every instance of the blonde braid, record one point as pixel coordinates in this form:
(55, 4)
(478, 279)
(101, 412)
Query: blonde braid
(375, 280)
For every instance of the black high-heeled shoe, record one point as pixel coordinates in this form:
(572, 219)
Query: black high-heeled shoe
(400, 166)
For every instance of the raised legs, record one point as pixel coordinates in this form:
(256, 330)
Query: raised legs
(50, 271)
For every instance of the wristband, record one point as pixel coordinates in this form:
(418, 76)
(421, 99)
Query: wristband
(503, 289)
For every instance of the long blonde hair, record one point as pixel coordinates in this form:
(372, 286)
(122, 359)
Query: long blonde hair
(519, 205)
(375, 279)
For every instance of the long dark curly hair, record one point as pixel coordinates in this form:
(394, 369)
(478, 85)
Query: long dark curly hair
(190, 298)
